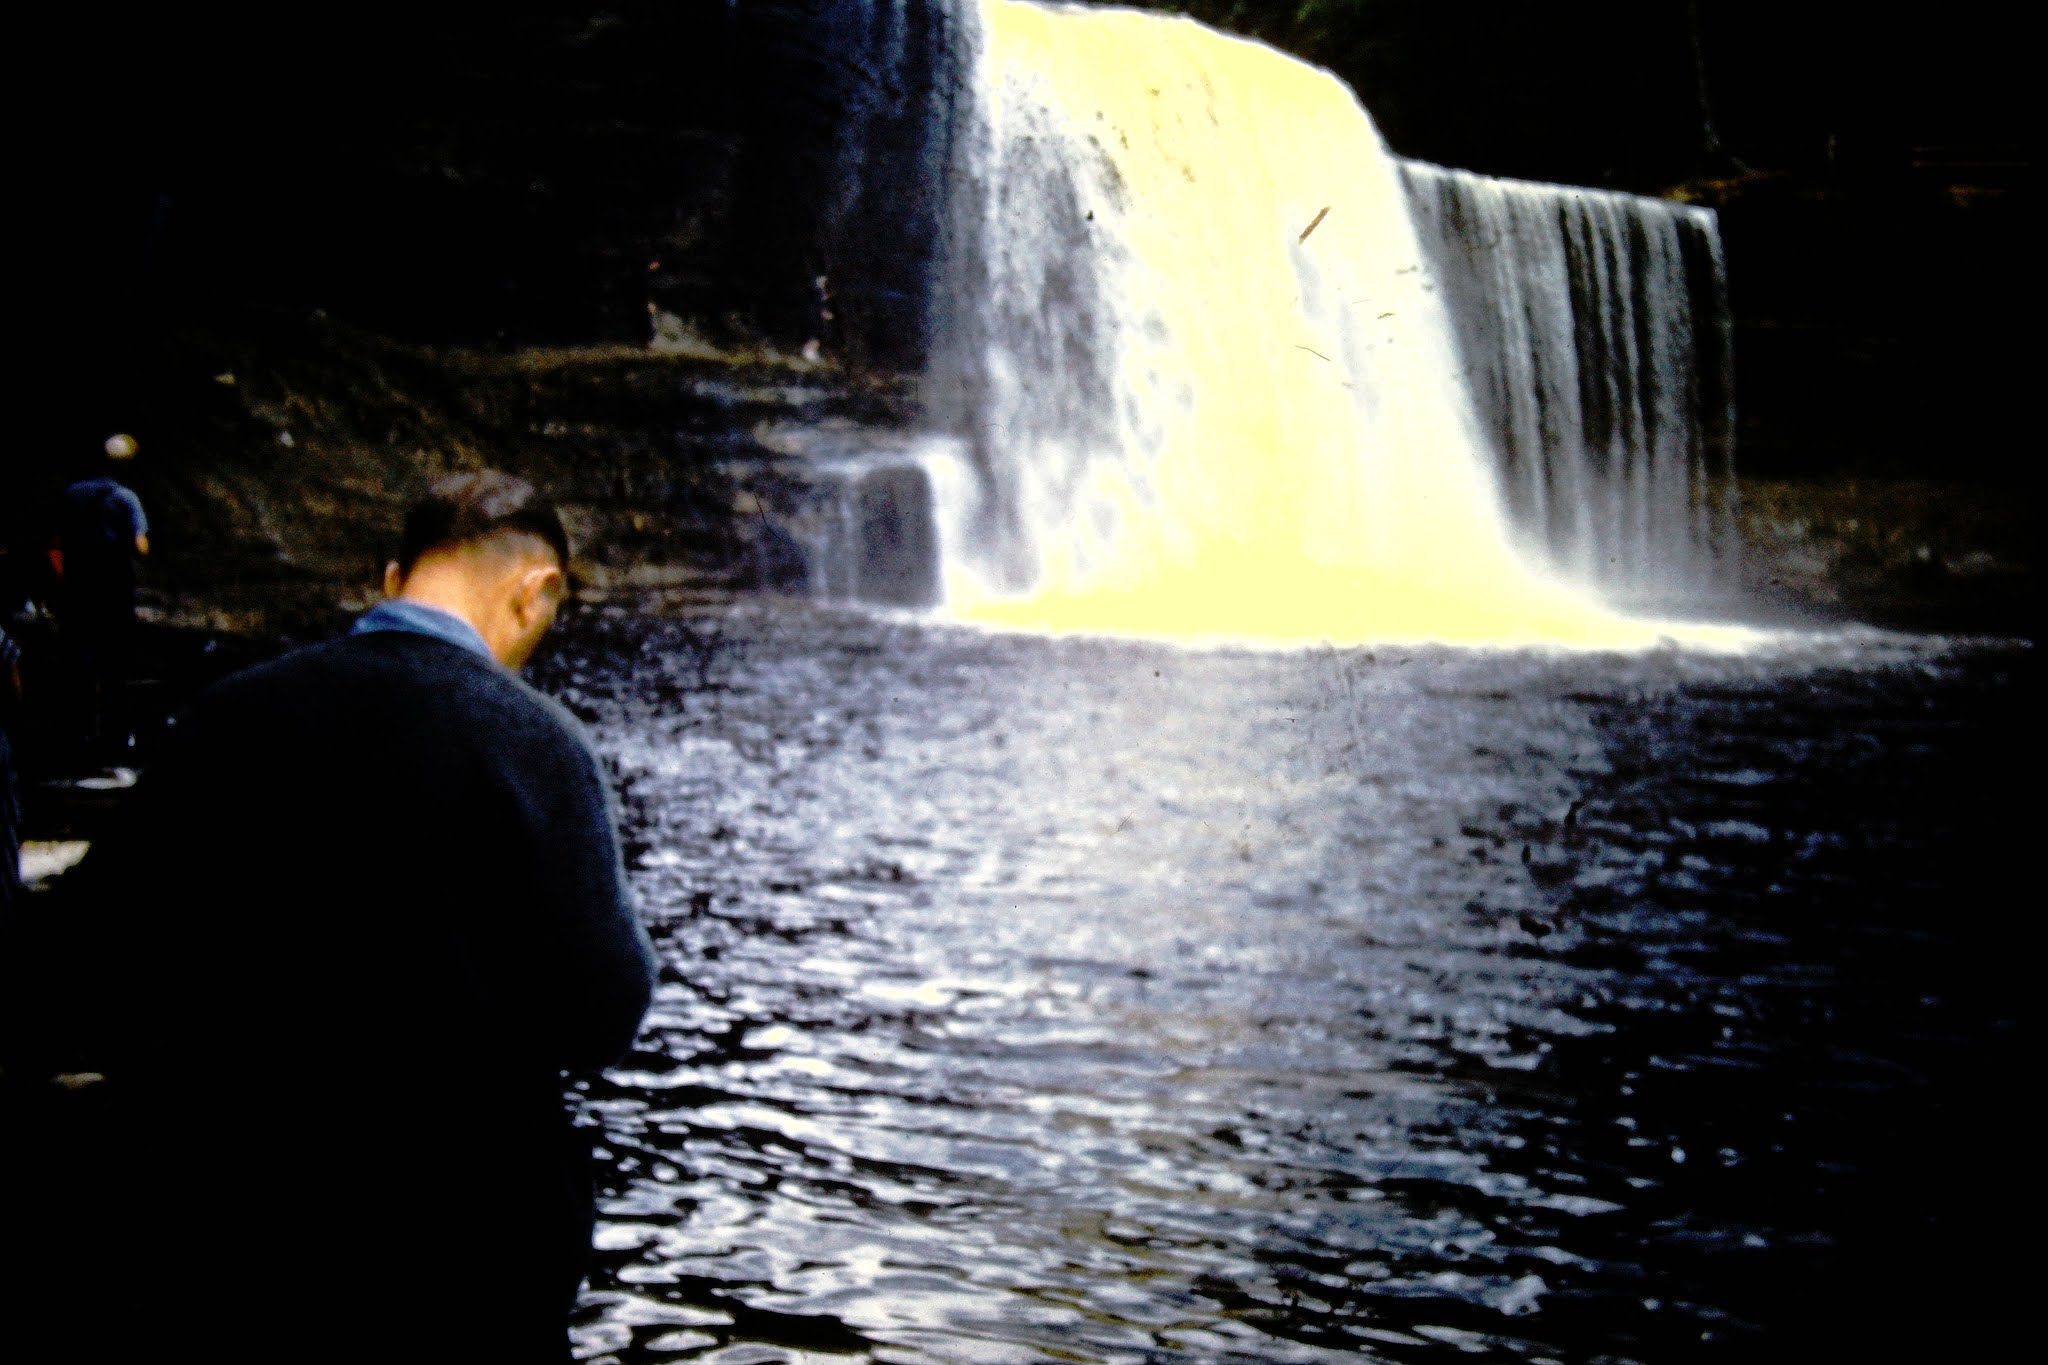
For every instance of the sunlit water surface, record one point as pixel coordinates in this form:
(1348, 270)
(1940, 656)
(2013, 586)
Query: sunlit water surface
(1076, 1000)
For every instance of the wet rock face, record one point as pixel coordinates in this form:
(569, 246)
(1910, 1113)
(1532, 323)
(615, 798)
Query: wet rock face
(515, 173)
(663, 464)
(742, 179)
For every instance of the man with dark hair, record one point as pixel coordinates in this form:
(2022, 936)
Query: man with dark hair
(373, 920)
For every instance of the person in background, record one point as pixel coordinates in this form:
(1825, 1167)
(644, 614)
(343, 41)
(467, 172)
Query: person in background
(102, 536)
(10, 794)
(367, 919)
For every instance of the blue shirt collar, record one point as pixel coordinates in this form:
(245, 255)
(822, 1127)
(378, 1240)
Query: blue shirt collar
(396, 613)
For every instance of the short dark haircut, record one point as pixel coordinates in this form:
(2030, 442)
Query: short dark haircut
(463, 509)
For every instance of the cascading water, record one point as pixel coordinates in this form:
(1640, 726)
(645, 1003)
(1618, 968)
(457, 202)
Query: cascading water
(1207, 382)
(1594, 330)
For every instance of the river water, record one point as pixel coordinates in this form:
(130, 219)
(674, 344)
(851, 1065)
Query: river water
(1036, 999)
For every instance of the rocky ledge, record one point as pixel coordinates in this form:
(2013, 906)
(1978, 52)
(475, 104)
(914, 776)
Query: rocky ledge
(280, 451)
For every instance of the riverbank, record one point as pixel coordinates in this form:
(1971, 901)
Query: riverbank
(1917, 554)
(279, 450)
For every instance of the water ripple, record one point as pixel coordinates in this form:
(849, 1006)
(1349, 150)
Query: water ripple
(1032, 1000)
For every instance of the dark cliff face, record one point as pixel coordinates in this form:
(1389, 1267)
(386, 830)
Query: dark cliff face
(258, 232)
(511, 173)
(1643, 94)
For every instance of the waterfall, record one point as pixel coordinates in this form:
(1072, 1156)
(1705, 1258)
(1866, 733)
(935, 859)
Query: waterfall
(1207, 381)
(1595, 337)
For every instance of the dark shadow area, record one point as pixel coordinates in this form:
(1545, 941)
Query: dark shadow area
(1797, 1114)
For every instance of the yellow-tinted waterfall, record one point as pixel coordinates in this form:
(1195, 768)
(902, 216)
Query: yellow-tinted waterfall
(1208, 382)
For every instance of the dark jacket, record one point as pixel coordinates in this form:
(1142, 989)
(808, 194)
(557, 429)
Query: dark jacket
(98, 523)
(371, 911)
(10, 799)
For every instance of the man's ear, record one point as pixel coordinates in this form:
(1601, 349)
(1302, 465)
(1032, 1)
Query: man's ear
(394, 581)
(540, 586)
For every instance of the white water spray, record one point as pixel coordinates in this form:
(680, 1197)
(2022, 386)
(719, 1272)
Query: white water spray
(1594, 331)
(1209, 386)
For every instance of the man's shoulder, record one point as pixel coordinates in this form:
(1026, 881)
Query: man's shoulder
(99, 489)
(400, 674)
(361, 666)
(101, 502)
(84, 497)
